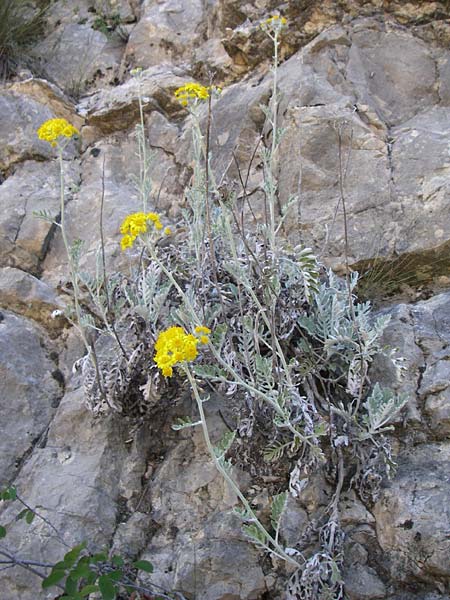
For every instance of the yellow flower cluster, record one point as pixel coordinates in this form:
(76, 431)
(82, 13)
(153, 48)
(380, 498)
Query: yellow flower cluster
(175, 346)
(53, 129)
(274, 23)
(135, 224)
(191, 91)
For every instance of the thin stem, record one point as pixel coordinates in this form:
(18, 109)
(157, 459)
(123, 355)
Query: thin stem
(142, 148)
(347, 274)
(109, 325)
(74, 277)
(25, 564)
(46, 521)
(278, 550)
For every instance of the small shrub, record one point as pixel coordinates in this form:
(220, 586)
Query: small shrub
(21, 24)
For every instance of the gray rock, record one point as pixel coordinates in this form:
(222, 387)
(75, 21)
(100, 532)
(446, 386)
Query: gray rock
(437, 408)
(352, 511)
(168, 31)
(293, 523)
(413, 516)
(397, 89)
(118, 109)
(362, 583)
(215, 563)
(73, 478)
(30, 391)
(131, 536)
(25, 294)
(75, 55)
(48, 95)
(34, 187)
(192, 504)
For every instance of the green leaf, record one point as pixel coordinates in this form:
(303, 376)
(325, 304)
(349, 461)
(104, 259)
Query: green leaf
(30, 516)
(91, 577)
(381, 406)
(143, 565)
(55, 577)
(71, 557)
(218, 336)
(22, 514)
(107, 587)
(81, 571)
(224, 443)
(2, 532)
(99, 557)
(278, 504)
(115, 575)
(117, 561)
(336, 576)
(44, 215)
(211, 372)
(274, 452)
(9, 494)
(89, 589)
(183, 423)
(71, 585)
(321, 429)
(255, 533)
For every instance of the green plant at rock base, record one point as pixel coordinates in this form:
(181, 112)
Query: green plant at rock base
(21, 25)
(79, 573)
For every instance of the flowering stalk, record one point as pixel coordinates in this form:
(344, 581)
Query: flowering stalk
(54, 131)
(144, 159)
(273, 26)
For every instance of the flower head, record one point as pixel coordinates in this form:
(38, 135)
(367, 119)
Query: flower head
(191, 92)
(53, 129)
(174, 346)
(274, 24)
(135, 224)
(202, 333)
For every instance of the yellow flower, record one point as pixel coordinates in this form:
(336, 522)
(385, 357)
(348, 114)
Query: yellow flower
(126, 242)
(274, 23)
(174, 346)
(167, 231)
(202, 333)
(135, 224)
(202, 329)
(191, 91)
(52, 130)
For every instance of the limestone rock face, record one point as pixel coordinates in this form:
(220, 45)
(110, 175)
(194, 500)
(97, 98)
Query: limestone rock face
(26, 295)
(348, 123)
(118, 109)
(364, 110)
(93, 56)
(167, 31)
(413, 516)
(30, 391)
(33, 188)
(74, 476)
